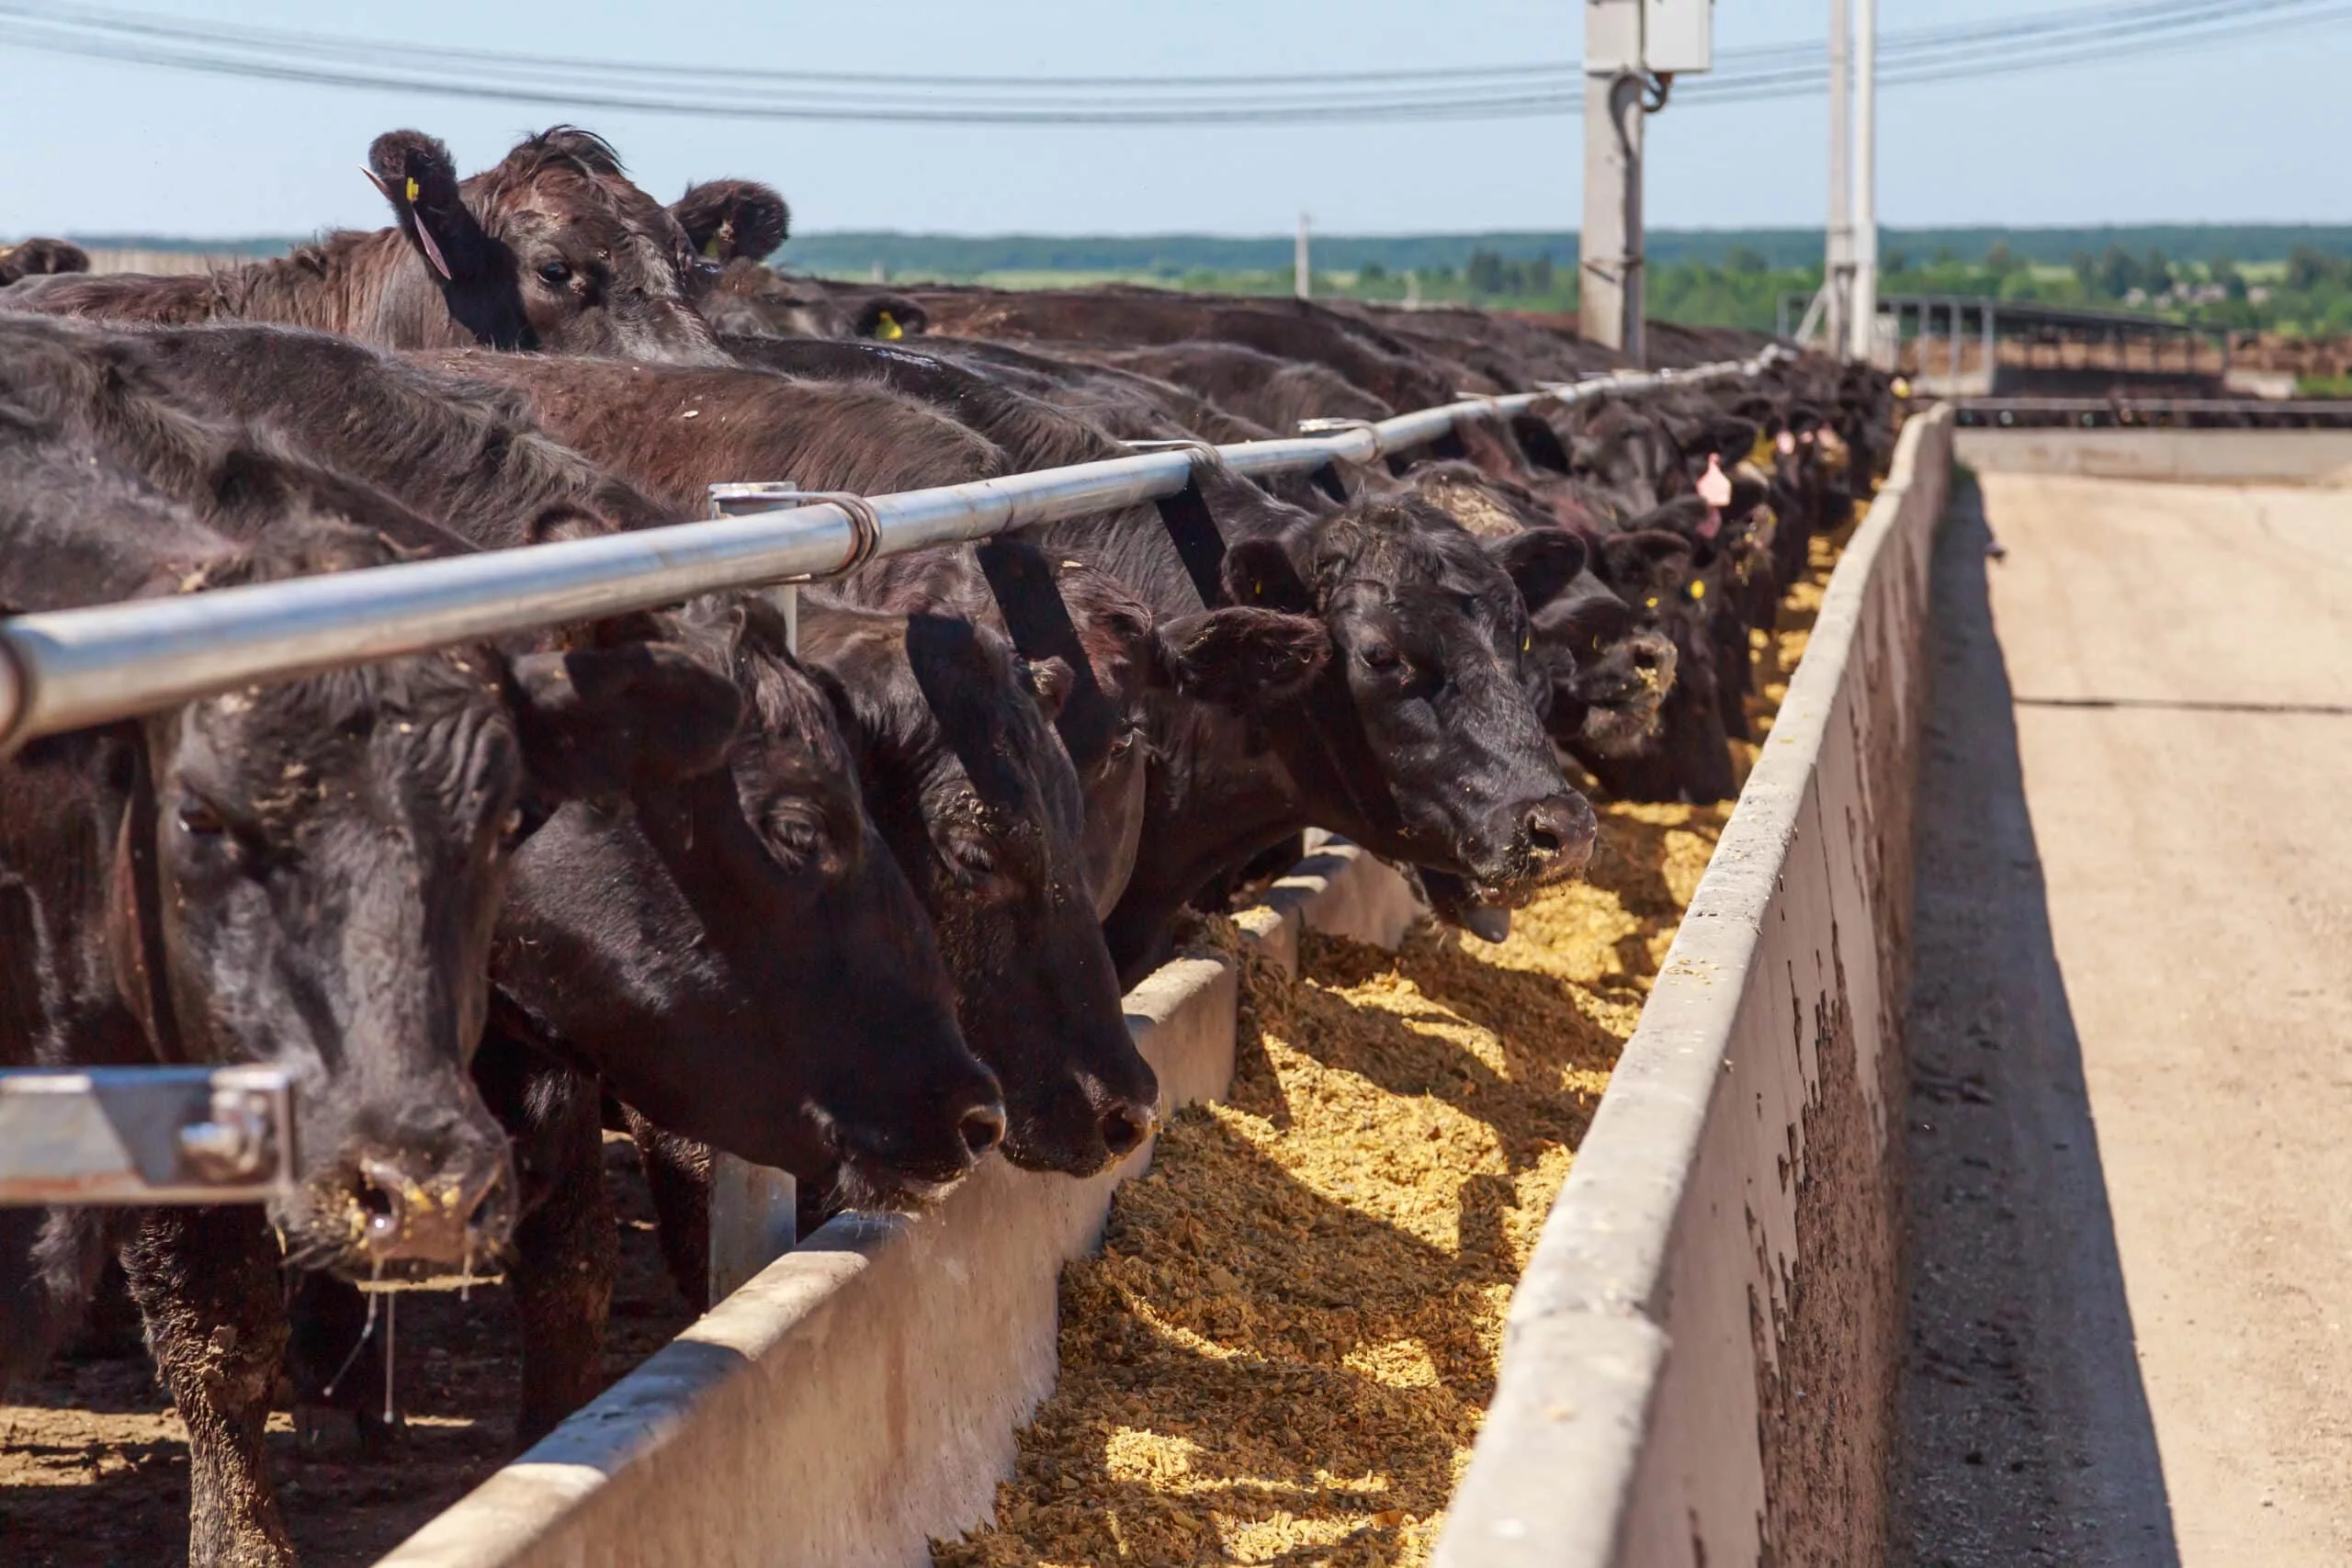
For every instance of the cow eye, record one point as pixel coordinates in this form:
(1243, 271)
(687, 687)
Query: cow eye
(555, 274)
(200, 820)
(972, 856)
(796, 834)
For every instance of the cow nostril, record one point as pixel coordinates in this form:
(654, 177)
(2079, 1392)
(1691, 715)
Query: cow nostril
(1646, 659)
(382, 1205)
(983, 1129)
(1559, 833)
(1124, 1127)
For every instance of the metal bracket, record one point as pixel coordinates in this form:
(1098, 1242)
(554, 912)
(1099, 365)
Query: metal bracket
(142, 1135)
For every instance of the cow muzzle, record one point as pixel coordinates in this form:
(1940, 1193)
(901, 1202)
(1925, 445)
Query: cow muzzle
(407, 1209)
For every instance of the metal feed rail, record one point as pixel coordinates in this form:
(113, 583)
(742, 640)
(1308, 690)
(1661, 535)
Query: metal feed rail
(70, 668)
(152, 1134)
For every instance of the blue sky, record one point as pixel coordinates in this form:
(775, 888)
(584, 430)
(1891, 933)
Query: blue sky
(2255, 132)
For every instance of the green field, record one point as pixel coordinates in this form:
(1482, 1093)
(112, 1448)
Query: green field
(2289, 278)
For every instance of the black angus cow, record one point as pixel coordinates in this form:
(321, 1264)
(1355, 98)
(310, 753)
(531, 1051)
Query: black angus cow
(306, 874)
(552, 248)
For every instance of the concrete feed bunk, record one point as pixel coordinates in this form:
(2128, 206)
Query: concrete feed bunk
(1701, 1359)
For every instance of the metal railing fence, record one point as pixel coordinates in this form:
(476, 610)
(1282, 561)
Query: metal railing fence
(69, 668)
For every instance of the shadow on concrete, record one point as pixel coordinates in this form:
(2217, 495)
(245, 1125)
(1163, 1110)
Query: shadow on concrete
(2024, 1432)
(2166, 704)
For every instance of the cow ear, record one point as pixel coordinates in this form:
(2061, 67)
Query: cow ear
(1260, 572)
(414, 174)
(608, 720)
(1539, 562)
(733, 220)
(1242, 659)
(1632, 557)
(1051, 681)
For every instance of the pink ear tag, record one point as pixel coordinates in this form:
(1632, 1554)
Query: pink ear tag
(1714, 485)
(1786, 443)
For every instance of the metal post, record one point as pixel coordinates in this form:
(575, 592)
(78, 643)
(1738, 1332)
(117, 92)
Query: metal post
(1953, 307)
(146, 1135)
(1865, 301)
(1608, 307)
(1985, 325)
(1302, 276)
(1837, 272)
(754, 1209)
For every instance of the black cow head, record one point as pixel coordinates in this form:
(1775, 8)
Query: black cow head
(983, 809)
(551, 249)
(1421, 737)
(318, 880)
(741, 956)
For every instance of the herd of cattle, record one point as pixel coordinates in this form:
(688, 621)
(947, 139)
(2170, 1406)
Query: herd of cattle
(861, 910)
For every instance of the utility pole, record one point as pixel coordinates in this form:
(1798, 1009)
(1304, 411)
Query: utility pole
(1608, 283)
(1838, 270)
(1630, 47)
(1864, 339)
(1302, 280)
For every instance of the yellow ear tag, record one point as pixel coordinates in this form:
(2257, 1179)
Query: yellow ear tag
(1697, 590)
(710, 247)
(1651, 602)
(887, 328)
(412, 188)
(1761, 453)
(1527, 644)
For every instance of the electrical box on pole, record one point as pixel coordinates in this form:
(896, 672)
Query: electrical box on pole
(1631, 48)
(1678, 36)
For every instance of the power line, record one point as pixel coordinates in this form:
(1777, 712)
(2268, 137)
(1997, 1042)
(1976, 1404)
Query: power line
(2085, 35)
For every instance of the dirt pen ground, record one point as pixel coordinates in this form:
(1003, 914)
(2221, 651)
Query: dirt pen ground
(93, 1461)
(2132, 1033)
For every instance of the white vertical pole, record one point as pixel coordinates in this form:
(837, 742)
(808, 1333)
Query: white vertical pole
(754, 1209)
(1609, 285)
(1302, 274)
(1837, 272)
(1865, 305)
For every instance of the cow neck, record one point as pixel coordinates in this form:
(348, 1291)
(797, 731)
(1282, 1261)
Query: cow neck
(140, 826)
